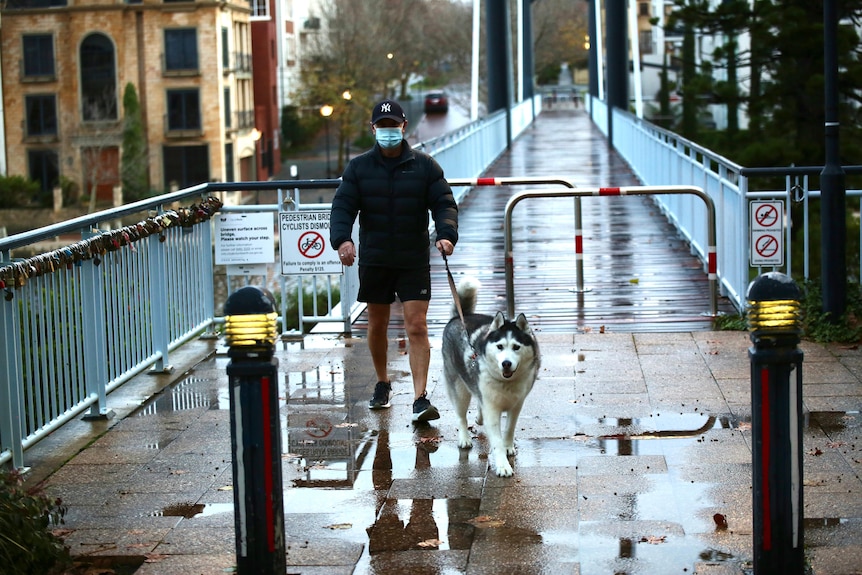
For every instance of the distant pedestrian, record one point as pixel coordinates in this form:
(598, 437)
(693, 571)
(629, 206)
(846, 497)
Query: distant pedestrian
(392, 188)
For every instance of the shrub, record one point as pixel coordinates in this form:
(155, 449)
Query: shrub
(25, 515)
(16, 191)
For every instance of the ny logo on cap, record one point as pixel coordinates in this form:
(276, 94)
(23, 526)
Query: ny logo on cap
(386, 107)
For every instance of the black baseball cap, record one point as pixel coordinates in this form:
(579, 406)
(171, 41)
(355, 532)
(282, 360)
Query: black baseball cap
(388, 109)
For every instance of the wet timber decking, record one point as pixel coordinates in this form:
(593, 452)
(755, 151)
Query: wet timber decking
(639, 275)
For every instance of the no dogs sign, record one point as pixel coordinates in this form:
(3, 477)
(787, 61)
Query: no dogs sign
(303, 241)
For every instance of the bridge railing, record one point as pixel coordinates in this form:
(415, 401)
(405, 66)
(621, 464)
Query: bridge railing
(91, 302)
(660, 157)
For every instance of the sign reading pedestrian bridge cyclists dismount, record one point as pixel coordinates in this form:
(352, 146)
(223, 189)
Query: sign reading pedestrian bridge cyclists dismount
(304, 244)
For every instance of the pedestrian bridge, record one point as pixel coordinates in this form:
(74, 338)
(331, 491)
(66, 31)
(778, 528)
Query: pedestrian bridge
(93, 302)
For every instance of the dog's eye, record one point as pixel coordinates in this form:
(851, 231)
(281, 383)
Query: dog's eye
(516, 347)
(500, 346)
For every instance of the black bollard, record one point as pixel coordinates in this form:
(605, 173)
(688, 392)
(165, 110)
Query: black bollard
(776, 416)
(255, 432)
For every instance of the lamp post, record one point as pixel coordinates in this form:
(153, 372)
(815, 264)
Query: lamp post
(347, 98)
(326, 111)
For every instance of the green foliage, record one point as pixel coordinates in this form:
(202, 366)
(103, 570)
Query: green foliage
(25, 542)
(292, 313)
(816, 325)
(71, 190)
(17, 191)
(134, 170)
(297, 131)
(820, 327)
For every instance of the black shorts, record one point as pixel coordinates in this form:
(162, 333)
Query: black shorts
(381, 285)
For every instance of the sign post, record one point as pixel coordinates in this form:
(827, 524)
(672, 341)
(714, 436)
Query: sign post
(767, 233)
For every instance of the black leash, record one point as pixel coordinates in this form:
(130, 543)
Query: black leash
(454, 290)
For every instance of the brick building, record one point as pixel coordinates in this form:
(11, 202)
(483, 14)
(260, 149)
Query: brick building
(66, 64)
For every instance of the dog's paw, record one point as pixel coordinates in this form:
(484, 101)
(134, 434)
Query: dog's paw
(503, 467)
(510, 450)
(465, 441)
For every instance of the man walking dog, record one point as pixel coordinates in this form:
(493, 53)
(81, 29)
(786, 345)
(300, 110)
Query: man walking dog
(392, 188)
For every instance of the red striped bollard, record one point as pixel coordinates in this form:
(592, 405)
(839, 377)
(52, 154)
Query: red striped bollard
(250, 330)
(776, 418)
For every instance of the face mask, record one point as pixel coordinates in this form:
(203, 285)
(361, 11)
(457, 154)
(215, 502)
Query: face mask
(389, 137)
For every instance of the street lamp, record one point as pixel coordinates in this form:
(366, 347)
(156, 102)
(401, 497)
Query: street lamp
(326, 111)
(347, 97)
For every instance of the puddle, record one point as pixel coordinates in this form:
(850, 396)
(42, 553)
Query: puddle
(831, 422)
(188, 394)
(190, 510)
(438, 524)
(116, 565)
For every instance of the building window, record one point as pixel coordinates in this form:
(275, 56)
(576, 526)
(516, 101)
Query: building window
(44, 168)
(225, 48)
(24, 4)
(38, 55)
(184, 110)
(229, 175)
(41, 110)
(185, 165)
(643, 9)
(228, 111)
(260, 9)
(98, 79)
(181, 49)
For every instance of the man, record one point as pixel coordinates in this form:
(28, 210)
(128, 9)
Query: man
(392, 188)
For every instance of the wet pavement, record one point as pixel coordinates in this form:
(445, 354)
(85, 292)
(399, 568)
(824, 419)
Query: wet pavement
(633, 456)
(633, 449)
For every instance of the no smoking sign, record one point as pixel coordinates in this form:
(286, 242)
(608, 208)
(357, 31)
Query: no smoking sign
(767, 232)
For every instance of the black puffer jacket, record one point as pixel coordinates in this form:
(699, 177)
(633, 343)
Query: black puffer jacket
(393, 199)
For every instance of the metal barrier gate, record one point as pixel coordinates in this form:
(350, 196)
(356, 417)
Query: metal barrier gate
(623, 191)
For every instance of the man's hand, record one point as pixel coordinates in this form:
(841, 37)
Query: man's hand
(445, 246)
(347, 253)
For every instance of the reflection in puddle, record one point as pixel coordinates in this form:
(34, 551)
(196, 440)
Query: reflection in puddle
(831, 422)
(185, 395)
(423, 524)
(189, 510)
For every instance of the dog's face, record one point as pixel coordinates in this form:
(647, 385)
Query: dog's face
(509, 346)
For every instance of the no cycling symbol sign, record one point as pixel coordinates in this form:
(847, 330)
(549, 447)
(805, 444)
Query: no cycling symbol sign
(303, 244)
(767, 232)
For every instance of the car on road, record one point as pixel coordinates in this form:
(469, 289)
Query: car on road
(436, 102)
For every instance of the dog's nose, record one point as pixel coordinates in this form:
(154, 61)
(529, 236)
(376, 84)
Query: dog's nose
(507, 364)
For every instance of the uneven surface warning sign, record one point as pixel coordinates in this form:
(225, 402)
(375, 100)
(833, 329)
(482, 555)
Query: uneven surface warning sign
(244, 238)
(767, 233)
(304, 238)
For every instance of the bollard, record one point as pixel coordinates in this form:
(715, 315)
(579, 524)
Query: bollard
(250, 329)
(776, 416)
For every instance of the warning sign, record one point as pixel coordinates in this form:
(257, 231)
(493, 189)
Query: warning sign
(303, 238)
(244, 238)
(767, 233)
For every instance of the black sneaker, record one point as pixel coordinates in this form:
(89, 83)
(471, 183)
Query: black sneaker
(380, 399)
(423, 410)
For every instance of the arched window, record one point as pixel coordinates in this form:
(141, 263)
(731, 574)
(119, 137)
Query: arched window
(98, 79)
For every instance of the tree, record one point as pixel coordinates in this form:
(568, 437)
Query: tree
(134, 170)
(559, 34)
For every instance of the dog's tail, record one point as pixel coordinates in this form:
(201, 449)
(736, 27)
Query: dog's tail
(467, 289)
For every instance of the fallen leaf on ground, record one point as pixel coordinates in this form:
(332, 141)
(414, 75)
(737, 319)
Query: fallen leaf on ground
(653, 539)
(485, 521)
(816, 451)
(226, 488)
(430, 543)
(335, 526)
(154, 557)
(436, 439)
(720, 521)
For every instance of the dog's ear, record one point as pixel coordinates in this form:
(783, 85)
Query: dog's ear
(498, 322)
(522, 324)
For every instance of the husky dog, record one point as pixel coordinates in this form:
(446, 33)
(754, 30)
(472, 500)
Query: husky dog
(496, 361)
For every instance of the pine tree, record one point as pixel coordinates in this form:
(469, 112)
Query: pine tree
(134, 170)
